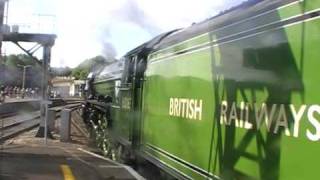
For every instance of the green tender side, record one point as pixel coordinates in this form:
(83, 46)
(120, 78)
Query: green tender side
(187, 76)
(277, 67)
(121, 120)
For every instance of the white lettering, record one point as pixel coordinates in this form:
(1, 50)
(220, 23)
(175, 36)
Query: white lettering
(247, 124)
(176, 107)
(233, 114)
(198, 109)
(171, 107)
(183, 102)
(314, 122)
(282, 121)
(274, 116)
(185, 108)
(297, 117)
(242, 109)
(263, 112)
(191, 109)
(223, 112)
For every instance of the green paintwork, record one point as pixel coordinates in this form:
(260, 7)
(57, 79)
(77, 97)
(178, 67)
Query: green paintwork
(277, 66)
(181, 46)
(183, 77)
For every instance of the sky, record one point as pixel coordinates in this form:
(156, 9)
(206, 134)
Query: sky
(87, 28)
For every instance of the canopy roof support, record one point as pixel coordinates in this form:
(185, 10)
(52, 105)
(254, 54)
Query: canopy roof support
(46, 41)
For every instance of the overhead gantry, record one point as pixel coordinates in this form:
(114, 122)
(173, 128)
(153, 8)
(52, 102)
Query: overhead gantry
(46, 41)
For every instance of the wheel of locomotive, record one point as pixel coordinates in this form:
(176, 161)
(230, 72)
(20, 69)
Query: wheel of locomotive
(84, 113)
(120, 153)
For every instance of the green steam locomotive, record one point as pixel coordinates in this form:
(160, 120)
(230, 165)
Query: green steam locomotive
(233, 97)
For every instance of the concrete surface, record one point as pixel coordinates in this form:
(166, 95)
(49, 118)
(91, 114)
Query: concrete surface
(26, 157)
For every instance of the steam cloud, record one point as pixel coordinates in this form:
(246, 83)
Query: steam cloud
(108, 51)
(130, 13)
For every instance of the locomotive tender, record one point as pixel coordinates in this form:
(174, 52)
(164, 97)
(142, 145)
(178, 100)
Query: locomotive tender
(233, 97)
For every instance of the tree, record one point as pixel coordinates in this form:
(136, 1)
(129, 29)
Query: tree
(12, 71)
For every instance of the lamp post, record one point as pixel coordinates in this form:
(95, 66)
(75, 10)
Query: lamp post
(24, 74)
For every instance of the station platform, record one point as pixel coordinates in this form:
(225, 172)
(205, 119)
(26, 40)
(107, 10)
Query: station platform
(26, 157)
(12, 100)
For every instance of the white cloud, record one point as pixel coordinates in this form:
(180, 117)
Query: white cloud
(169, 14)
(85, 26)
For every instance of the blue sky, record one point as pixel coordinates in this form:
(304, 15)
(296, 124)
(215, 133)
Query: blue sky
(86, 28)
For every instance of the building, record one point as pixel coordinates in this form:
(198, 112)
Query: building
(66, 87)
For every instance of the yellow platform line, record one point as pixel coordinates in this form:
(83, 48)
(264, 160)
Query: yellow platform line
(67, 173)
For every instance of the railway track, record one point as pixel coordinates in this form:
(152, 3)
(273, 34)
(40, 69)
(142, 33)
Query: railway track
(4, 115)
(14, 123)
